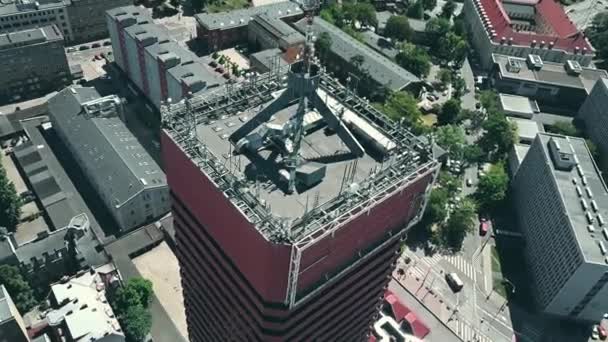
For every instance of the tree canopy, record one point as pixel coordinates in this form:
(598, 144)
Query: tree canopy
(445, 77)
(436, 210)
(429, 5)
(10, 203)
(499, 135)
(398, 28)
(136, 323)
(461, 222)
(414, 60)
(598, 34)
(564, 128)
(130, 304)
(19, 289)
(447, 11)
(492, 187)
(451, 138)
(416, 10)
(402, 106)
(449, 112)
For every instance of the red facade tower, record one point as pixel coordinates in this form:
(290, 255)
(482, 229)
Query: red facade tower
(262, 262)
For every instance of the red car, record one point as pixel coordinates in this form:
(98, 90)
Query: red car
(484, 226)
(602, 332)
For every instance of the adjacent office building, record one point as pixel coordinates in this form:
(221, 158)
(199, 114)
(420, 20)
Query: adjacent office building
(78, 20)
(266, 32)
(128, 181)
(594, 112)
(521, 28)
(33, 63)
(564, 85)
(159, 67)
(562, 206)
(218, 31)
(12, 327)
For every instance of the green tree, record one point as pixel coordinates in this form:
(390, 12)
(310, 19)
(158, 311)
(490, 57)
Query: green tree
(137, 291)
(472, 154)
(416, 10)
(136, 323)
(414, 60)
(429, 5)
(448, 9)
(459, 85)
(499, 135)
(461, 222)
(449, 182)
(451, 47)
(492, 187)
(452, 139)
(449, 112)
(357, 61)
(402, 106)
(323, 46)
(445, 77)
(10, 203)
(436, 28)
(598, 34)
(489, 100)
(19, 289)
(398, 28)
(436, 210)
(564, 128)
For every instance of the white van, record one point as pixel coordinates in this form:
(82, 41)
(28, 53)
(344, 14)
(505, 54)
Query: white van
(454, 281)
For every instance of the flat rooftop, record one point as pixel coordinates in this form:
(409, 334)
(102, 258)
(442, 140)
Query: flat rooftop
(550, 73)
(238, 18)
(517, 104)
(594, 190)
(30, 37)
(392, 154)
(8, 7)
(526, 129)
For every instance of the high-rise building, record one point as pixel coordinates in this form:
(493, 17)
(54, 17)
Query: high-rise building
(290, 204)
(12, 327)
(593, 113)
(562, 206)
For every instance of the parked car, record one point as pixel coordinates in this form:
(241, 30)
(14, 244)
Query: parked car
(484, 226)
(71, 49)
(83, 47)
(602, 332)
(469, 182)
(95, 45)
(107, 43)
(595, 334)
(454, 281)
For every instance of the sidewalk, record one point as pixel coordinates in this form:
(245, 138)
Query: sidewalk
(443, 311)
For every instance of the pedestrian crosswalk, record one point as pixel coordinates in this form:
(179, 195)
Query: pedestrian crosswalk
(462, 264)
(468, 333)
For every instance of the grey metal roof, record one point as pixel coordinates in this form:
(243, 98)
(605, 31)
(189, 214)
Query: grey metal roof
(279, 28)
(380, 68)
(6, 249)
(9, 7)
(227, 20)
(379, 43)
(30, 37)
(588, 242)
(118, 158)
(267, 57)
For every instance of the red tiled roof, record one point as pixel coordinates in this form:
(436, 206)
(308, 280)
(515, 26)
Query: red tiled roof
(402, 312)
(565, 35)
(419, 329)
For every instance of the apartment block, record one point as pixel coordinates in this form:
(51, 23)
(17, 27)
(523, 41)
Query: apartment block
(33, 63)
(561, 203)
(594, 112)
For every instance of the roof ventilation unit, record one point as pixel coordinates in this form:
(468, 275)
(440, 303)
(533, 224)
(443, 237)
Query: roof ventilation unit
(513, 65)
(602, 247)
(534, 62)
(573, 67)
(563, 161)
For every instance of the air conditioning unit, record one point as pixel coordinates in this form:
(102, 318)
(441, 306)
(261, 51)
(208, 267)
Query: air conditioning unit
(573, 67)
(513, 65)
(534, 62)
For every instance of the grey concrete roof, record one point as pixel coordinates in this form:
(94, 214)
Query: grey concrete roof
(120, 160)
(227, 20)
(9, 7)
(551, 73)
(279, 28)
(30, 37)
(380, 68)
(526, 129)
(379, 43)
(144, 31)
(516, 104)
(587, 242)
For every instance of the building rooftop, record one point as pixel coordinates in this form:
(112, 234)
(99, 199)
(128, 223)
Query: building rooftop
(526, 129)
(536, 23)
(84, 307)
(253, 179)
(279, 28)
(380, 68)
(93, 123)
(30, 37)
(8, 7)
(550, 73)
(237, 18)
(518, 104)
(582, 190)
(268, 57)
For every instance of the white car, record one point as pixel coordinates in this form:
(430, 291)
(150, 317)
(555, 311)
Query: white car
(595, 333)
(469, 182)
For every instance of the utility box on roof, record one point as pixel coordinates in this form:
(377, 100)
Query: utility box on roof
(310, 173)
